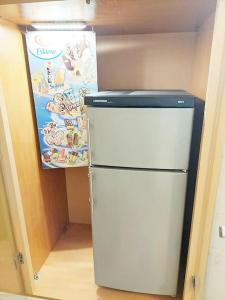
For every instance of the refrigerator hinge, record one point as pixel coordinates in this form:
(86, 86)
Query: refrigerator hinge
(19, 259)
(36, 276)
(194, 281)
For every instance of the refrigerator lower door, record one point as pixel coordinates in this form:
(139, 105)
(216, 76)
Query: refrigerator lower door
(137, 221)
(154, 138)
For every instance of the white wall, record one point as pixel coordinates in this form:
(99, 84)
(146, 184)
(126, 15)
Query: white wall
(145, 61)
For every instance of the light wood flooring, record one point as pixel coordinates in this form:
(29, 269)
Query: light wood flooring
(68, 272)
(7, 296)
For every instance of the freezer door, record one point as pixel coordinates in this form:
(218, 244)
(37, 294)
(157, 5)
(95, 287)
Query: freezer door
(140, 137)
(137, 221)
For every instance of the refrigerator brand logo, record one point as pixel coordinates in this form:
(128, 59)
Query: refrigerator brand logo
(100, 100)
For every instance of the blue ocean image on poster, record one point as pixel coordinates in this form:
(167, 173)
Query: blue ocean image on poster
(63, 70)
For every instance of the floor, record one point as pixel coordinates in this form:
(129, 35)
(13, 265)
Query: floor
(6, 296)
(68, 272)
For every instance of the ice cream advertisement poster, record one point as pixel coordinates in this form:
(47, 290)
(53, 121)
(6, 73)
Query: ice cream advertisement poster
(63, 70)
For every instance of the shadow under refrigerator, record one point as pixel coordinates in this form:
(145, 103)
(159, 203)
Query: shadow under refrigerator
(140, 145)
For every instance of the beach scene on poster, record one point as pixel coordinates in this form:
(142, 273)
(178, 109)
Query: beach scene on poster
(63, 70)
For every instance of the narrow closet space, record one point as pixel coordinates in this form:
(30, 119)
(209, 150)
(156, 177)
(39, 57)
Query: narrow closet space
(140, 45)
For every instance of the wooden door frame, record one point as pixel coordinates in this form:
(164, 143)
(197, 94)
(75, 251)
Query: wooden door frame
(11, 184)
(210, 163)
(208, 173)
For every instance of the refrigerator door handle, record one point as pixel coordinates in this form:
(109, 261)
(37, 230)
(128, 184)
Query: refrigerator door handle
(89, 141)
(91, 198)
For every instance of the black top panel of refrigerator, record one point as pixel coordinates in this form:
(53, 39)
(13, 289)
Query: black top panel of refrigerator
(141, 98)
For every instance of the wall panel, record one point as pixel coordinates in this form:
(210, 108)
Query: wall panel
(202, 57)
(43, 191)
(78, 195)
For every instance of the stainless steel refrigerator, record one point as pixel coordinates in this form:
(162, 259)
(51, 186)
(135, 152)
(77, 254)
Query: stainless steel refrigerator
(139, 148)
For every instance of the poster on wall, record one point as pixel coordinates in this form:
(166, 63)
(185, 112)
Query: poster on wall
(63, 70)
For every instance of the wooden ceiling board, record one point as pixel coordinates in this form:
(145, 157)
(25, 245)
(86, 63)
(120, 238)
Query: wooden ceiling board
(116, 16)
(20, 1)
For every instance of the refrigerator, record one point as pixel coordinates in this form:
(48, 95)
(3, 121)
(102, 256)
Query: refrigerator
(140, 150)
